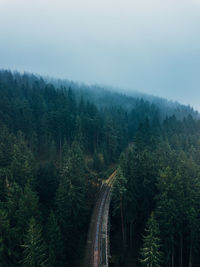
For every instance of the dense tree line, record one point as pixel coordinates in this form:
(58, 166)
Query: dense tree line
(106, 96)
(158, 219)
(57, 143)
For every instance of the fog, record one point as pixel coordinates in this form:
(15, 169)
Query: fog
(151, 46)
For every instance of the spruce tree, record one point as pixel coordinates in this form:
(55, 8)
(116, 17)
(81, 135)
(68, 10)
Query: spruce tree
(151, 255)
(55, 242)
(4, 238)
(22, 165)
(28, 207)
(119, 190)
(35, 253)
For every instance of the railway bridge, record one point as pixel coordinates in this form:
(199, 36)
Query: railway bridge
(97, 243)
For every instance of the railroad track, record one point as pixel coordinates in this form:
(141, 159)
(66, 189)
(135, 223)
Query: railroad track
(96, 254)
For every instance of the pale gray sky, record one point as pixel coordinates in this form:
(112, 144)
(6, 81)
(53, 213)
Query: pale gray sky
(148, 45)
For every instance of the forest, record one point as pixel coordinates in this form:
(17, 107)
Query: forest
(59, 140)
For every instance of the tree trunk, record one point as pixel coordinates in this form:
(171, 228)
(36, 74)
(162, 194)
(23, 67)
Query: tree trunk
(190, 259)
(60, 148)
(97, 141)
(122, 220)
(125, 235)
(131, 235)
(181, 250)
(191, 244)
(173, 259)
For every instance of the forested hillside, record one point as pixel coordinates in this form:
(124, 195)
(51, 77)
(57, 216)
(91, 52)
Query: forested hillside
(58, 142)
(156, 197)
(105, 96)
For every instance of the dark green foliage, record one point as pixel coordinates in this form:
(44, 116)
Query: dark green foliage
(4, 238)
(27, 207)
(151, 255)
(164, 178)
(22, 162)
(48, 136)
(47, 183)
(119, 190)
(55, 242)
(34, 248)
(71, 206)
(97, 162)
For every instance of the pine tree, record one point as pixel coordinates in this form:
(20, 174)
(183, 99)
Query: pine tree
(151, 255)
(55, 242)
(22, 162)
(71, 193)
(14, 193)
(119, 191)
(4, 238)
(71, 200)
(35, 253)
(28, 207)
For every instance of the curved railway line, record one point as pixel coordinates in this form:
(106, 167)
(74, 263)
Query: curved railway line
(97, 243)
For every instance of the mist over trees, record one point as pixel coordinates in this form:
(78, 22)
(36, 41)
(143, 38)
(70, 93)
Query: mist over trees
(104, 96)
(59, 140)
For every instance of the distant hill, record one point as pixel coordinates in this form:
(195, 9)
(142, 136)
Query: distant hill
(104, 96)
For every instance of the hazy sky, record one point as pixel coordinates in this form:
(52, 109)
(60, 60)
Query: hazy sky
(148, 45)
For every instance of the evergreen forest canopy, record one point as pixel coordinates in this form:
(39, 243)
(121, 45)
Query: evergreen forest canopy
(59, 140)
